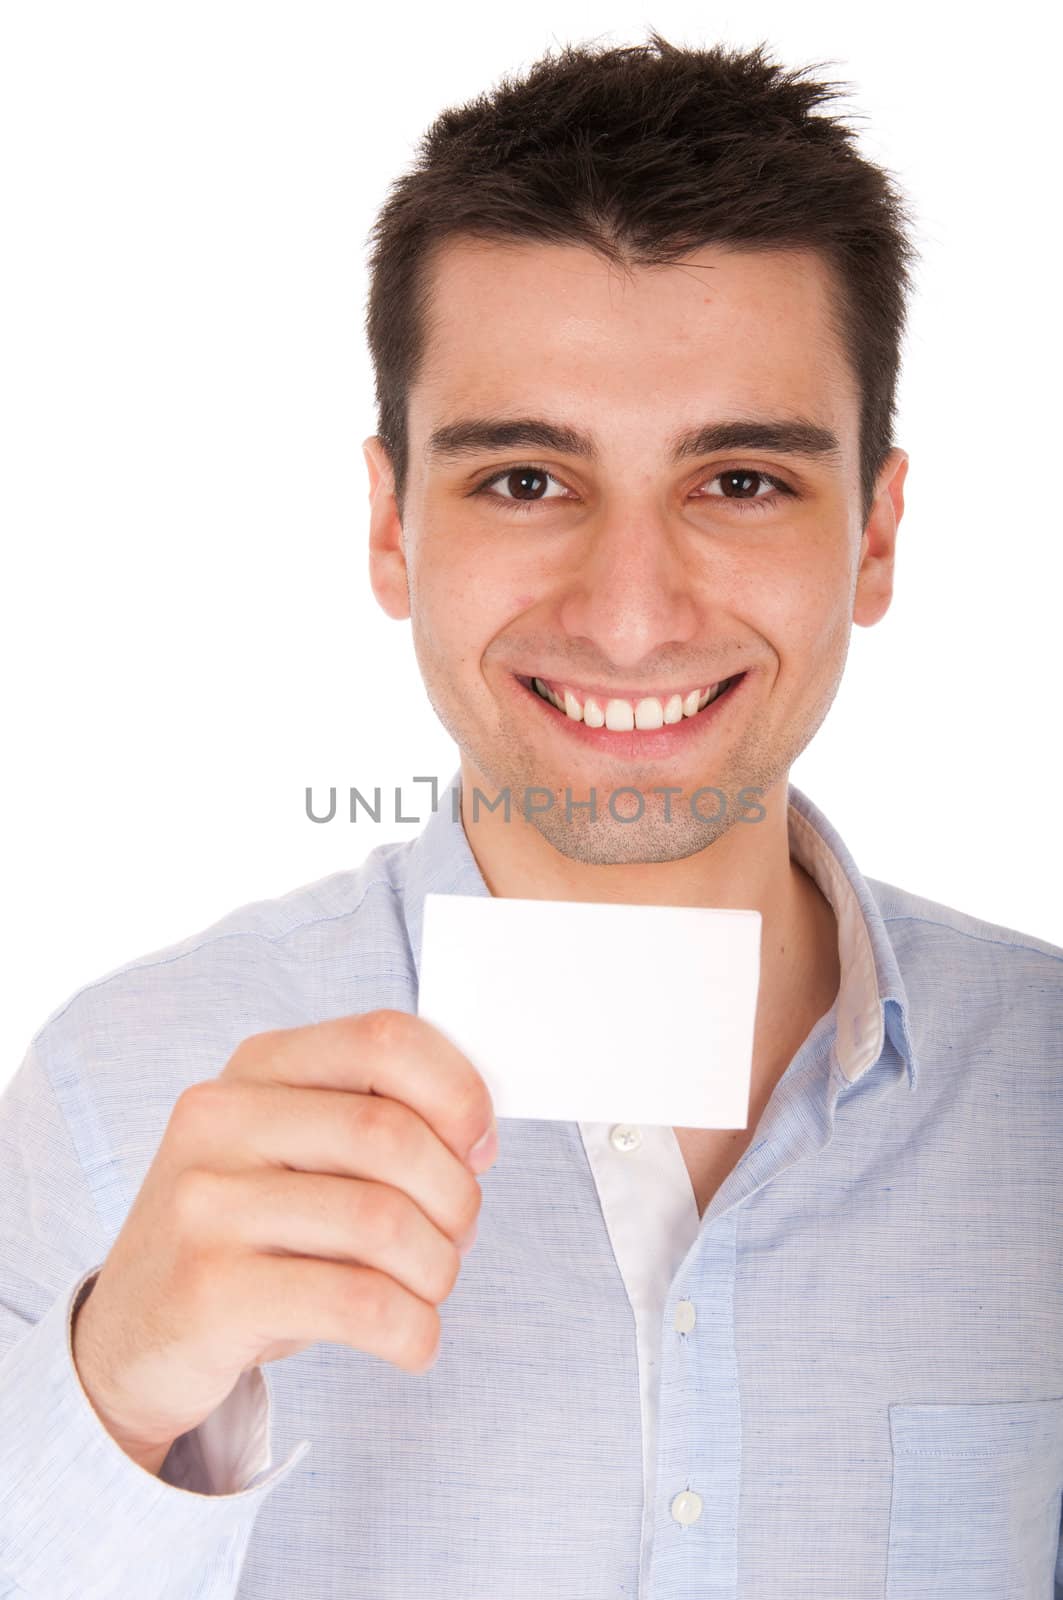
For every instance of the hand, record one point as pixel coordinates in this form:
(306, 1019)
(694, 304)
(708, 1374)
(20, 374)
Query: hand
(317, 1188)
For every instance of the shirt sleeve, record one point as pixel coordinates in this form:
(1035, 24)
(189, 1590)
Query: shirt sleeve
(79, 1517)
(231, 1448)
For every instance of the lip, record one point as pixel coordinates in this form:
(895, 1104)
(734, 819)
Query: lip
(639, 744)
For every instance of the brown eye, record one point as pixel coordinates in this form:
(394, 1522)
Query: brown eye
(523, 487)
(740, 485)
(522, 481)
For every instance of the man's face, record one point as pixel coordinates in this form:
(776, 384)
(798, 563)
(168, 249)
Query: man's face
(628, 574)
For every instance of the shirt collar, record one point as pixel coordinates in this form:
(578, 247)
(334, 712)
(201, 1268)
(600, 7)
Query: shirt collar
(872, 1002)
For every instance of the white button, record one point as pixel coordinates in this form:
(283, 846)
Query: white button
(686, 1507)
(625, 1136)
(685, 1316)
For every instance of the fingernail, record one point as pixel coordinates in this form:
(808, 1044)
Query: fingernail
(468, 1242)
(484, 1150)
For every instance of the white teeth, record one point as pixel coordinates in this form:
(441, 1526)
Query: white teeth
(573, 708)
(619, 715)
(547, 693)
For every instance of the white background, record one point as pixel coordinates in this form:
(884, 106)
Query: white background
(188, 634)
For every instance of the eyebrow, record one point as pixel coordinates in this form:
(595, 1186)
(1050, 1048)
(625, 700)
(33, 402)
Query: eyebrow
(790, 435)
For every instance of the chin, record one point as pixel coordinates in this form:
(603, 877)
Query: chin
(608, 843)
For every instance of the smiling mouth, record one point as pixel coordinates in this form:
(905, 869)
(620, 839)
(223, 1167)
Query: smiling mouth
(625, 714)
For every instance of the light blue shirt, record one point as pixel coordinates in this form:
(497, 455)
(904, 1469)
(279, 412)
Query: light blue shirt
(845, 1382)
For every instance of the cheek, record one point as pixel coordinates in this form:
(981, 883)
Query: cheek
(803, 613)
(445, 585)
(460, 611)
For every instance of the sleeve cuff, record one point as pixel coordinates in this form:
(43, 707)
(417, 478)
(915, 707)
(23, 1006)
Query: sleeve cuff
(74, 1508)
(230, 1450)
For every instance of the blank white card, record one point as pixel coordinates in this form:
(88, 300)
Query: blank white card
(583, 1011)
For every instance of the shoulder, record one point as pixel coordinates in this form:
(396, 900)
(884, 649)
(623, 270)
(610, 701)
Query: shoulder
(326, 948)
(976, 976)
(917, 921)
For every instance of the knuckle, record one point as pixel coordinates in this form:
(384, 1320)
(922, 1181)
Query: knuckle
(367, 1299)
(249, 1050)
(384, 1028)
(378, 1122)
(401, 1321)
(196, 1198)
(199, 1110)
(195, 1272)
(382, 1215)
(193, 1106)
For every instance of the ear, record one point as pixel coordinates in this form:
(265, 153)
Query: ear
(874, 581)
(387, 555)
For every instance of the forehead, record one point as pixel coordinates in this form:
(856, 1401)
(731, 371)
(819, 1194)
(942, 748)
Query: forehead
(523, 326)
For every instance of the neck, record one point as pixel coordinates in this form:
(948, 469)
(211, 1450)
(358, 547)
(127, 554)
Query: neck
(746, 868)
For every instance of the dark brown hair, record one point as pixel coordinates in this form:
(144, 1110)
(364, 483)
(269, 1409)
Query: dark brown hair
(645, 153)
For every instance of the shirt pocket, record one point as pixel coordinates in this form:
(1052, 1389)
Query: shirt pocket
(975, 1510)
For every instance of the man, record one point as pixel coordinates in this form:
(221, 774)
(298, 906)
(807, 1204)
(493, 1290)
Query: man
(636, 321)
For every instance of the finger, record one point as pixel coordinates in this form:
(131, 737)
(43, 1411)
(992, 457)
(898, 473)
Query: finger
(337, 1219)
(389, 1053)
(232, 1125)
(304, 1299)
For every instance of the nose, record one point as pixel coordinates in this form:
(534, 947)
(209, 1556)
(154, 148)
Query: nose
(630, 593)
